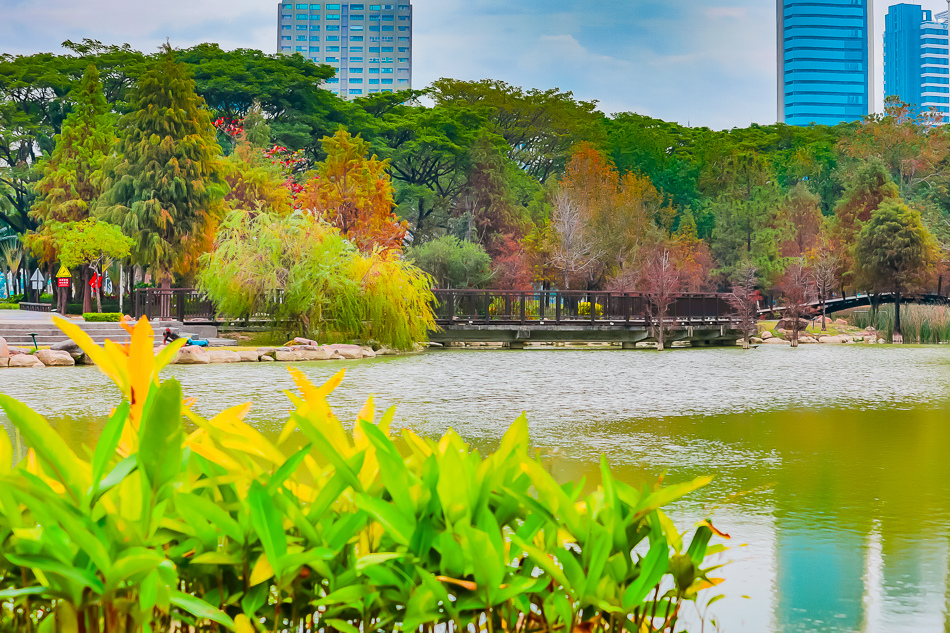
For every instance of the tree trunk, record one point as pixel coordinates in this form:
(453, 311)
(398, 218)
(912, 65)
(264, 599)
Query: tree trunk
(166, 295)
(824, 313)
(99, 296)
(898, 337)
(794, 330)
(659, 333)
(86, 290)
(745, 341)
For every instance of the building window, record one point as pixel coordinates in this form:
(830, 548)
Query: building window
(403, 60)
(301, 27)
(357, 17)
(403, 18)
(288, 7)
(333, 49)
(314, 7)
(374, 82)
(316, 59)
(387, 81)
(314, 17)
(333, 38)
(356, 60)
(373, 71)
(388, 28)
(301, 38)
(303, 16)
(375, 7)
(403, 7)
(356, 49)
(333, 7)
(356, 27)
(333, 16)
(374, 28)
(387, 71)
(373, 91)
(286, 48)
(403, 49)
(403, 81)
(403, 39)
(332, 80)
(286, 27)
(286, 38)
(387, 18)
(387, 49)
(356, 38)
(374, 18)
(314, 38)
(356, 81)
(356, 7)
(403, 28)
(333, 27)
(302, 48)
(332, 60)
(314, 27)
(356, 91)
(356, 71)
(301, 7)
(314, 49)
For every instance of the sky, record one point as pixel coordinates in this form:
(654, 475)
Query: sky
(697, 62)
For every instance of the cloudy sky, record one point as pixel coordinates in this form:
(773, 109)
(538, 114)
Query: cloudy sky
(699, 62)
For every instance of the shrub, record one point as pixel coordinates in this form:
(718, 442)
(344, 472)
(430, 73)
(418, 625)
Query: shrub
(102, 317)
(176, 522)
(583, 309)
(453, 263)
(9, 306)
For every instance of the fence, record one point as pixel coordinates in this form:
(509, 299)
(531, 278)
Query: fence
(504, 307)
(181, 304)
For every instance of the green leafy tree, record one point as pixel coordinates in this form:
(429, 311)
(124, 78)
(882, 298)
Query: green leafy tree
(453, 263)
(894, 252)
(165, 189)
(91, 245)
(747, 232)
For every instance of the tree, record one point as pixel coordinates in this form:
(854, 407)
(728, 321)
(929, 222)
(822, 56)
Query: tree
(744, 300)
(452, 262)
(661, 282)
(71, 180)
(748, 231)
(90, 244)
(692, 256)
(798, 289)
(894, 252)
(574, 251)
(308, 278)
(355, 194)
(825, 266)
(801, 212)
(166, 187)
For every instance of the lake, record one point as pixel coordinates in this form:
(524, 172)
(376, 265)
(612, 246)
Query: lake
(831, 463)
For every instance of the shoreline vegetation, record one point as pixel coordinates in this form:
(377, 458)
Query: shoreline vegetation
(174, 522)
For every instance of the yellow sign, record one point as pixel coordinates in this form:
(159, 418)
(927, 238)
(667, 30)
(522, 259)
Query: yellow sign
(63, 272)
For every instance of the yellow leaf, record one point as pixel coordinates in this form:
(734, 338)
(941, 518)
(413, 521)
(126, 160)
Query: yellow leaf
(242, 624)
(262, 571)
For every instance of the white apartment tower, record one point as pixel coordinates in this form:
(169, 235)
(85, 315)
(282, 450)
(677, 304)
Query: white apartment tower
(369, 45)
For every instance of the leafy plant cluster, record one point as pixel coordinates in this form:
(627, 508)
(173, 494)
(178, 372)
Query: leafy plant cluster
(177, 522)
(102, 317)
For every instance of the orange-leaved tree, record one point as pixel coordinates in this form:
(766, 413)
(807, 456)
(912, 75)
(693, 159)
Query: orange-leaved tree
(355, 194)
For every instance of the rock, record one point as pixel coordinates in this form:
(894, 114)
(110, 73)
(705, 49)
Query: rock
(66, 346)
(25, 360)
(831, 340)
(250, 357)
(806, 340)
(369, 353)
(315, 353)
(4, 350)
(267, 352)
(306, 341)
(840, 322)
(55, 358)
(288, 356)
(870, 328)
(350, 352)
(222, 357)
(755, 340)
(267, 359)
(766, 335)
(193, 355)
(4, 361)
(881, 341)
(385, 351)
(775, 341)
(786, 324)
(334, 355)
(17, 351)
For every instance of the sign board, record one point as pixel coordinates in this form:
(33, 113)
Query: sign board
(63, 272)
(37, 281)
(62, 282)
(96, 281)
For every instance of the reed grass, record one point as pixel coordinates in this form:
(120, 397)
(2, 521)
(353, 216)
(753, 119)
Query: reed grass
(920, 324)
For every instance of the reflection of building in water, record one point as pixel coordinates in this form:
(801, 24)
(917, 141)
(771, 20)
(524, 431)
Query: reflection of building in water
(820, 579)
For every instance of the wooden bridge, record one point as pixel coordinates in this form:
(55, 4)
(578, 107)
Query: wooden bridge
(838, 303)
(517, 317)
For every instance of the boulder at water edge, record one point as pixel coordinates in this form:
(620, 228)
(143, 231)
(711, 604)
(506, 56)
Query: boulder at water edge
(4, 350)
(351, 352)
(17, 351)
(55, 358)
(249, 357)
(369, 353)
(766, 335)
(831, 340)
(222, 357)
(26, 360)
(66, 346)
(306, 341)
(775, 341)
(193, 355)
(4, 361)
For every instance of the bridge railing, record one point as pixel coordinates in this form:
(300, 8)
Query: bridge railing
(556, 307)
(181, 304)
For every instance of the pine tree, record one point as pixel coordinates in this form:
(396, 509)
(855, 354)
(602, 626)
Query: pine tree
(167, 185)
(72, 178)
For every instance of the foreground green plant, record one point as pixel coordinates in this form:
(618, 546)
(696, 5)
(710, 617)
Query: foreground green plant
(160, 528)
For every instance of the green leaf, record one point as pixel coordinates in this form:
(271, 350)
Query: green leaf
(189, 504)
(160, 436)
(118, 474)
(108, 441)
(399, 527)
(375, 559)
(141, 561)
(669, 494)
(268, 525)
(200, 609)
(342, 625)
(49, 447)
(652, 568)
(287, 469)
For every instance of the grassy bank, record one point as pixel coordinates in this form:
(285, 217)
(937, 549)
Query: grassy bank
(919, 324)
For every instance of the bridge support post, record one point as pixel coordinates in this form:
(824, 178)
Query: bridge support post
(516, 345)
(626, 345)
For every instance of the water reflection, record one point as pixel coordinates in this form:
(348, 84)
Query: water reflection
(842, 453)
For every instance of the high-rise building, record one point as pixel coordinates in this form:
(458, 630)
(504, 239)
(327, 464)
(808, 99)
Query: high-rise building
(916, 64)
(369, 45)
(824, 61)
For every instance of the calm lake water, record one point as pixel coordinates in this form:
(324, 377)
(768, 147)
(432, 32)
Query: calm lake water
(832, 463)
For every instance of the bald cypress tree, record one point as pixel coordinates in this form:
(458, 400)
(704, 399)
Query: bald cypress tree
(166, 186)
(71, 181)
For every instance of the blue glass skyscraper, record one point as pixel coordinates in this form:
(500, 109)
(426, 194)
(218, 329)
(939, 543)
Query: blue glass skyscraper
(916, 65)
(824, 61)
